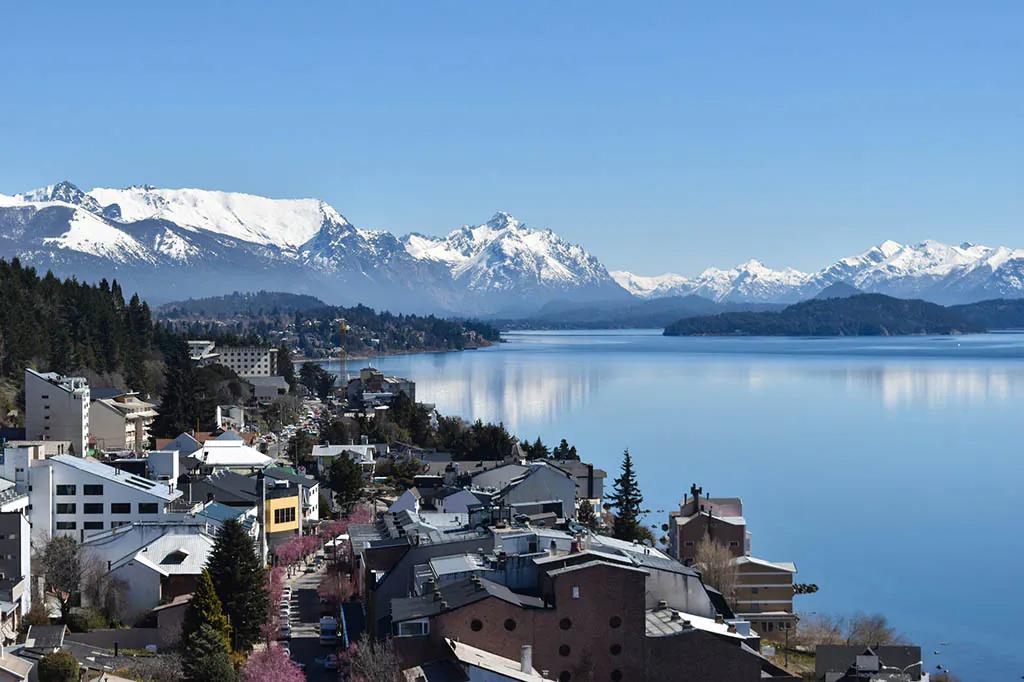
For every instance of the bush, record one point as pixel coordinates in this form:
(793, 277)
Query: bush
(58, 667)
(84, 620)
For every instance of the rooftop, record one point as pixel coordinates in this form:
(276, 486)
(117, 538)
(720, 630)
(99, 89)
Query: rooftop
(101, 470)
(455, 595)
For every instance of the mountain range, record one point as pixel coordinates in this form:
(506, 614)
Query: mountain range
(176, 243)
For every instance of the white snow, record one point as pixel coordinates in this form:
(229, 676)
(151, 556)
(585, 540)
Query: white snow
(88, 233)
(282, 222)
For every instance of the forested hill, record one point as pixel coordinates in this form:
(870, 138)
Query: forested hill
(239, 303)
(312, 330)
(862, 315)
(65, 326)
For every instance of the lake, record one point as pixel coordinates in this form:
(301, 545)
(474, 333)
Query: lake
(887, 469)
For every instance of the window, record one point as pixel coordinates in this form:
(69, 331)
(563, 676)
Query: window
(754, 590)
(615, 622)
(414, 628)
(733, 543)
(93, 507)
(616, 675)
(120, 508)
(92, 489)
(66, 525)
(564, 650)
(510, 624)
(66, 489)
(565, 623)
(575, 591)
(284, 515)
(615, 649)
(147, 508)
(93, 525)
(688, 543)
(476, 625)
(564, 676)
(66, 507)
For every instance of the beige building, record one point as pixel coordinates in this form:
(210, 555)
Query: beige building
(249, 361)
(764, 595)
(121, 422)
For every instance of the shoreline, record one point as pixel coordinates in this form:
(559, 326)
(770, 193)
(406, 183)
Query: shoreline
(370, 356)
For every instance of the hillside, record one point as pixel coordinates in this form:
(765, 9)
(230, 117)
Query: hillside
(862, 315)
(249, 303)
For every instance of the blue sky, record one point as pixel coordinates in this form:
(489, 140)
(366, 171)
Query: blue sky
(662, 137)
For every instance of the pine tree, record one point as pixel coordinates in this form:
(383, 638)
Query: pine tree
(181, 408)
(626, 499)
(346, 480)
(207, 658)
(285, 366)
(586, 516)
(240, 581)
(205, 609)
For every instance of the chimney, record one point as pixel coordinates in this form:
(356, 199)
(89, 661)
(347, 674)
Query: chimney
(526, 659)
(675, 616)
(590, 481)
(662, 604)
(719, 618)
(444, 606)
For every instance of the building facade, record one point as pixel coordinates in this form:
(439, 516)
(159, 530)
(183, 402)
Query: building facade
(57, 408)
(121, 422)
(249, 361)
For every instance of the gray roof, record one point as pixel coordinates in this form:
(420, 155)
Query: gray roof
(46, 636)
(456, 595)
(839, 657)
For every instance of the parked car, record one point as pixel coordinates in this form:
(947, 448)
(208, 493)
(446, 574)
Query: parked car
(331, 662)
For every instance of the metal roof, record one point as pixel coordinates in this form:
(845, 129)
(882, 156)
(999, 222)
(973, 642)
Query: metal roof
(101, 470)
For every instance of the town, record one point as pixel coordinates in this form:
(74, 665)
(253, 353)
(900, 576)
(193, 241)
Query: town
(335, 528)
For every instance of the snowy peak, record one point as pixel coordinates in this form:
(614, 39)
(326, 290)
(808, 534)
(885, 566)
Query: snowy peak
(504, 254)
(63, 192)
(286, 223)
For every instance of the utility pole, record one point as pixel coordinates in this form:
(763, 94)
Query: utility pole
(342, 366)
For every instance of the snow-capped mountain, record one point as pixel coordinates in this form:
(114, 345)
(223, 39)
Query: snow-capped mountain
(503, 256)
(930, 270)
(192, 242)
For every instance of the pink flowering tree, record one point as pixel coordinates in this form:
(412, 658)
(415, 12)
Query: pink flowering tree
(271, 663)
(275, 589)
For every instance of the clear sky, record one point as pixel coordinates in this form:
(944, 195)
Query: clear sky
(662, 137)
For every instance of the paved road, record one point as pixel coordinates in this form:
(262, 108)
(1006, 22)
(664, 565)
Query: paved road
(305, 642)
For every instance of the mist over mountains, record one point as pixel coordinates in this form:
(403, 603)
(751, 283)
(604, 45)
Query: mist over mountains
(175, 243)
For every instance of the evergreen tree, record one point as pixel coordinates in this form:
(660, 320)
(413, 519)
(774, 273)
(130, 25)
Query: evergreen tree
(285, 366)
(626, 499)
(207, 658)
(346, 480)
(205, 609)
(182, 407)
(240, 581)
(60, 666)
(586, 516)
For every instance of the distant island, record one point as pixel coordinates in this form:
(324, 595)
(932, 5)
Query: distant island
(858, 315)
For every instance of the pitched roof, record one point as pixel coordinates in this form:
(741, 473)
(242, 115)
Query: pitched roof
(784, 566)
(839, 657)
(457, 594)
(231, 453)
(288, 474)
(491, 662)
(173, 554)
(45, 636)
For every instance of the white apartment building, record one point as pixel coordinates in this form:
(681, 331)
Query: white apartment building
(121, 422)
(79, 497)
(249, 361)
(57, 408)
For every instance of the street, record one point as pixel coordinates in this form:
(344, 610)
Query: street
(305, 642)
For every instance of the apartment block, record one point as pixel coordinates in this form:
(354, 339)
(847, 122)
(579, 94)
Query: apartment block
(57, 408)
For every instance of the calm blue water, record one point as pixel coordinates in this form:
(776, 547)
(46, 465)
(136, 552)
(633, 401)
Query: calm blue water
(887, 469)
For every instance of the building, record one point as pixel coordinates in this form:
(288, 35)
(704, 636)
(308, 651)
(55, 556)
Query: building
(57, 408)
(309, 490)
(79, 497)
(470, 664)
(15, 575)
(214, 514)
(121, 422)
(249, 361)
(764, 595)
(372, 387)
(170, 619)
(720, 519)
(364, 454)
(203, 353)
(266, 389)
(230, 417)
(856, 663)
(277, 501)
(154, 562)
(227, 451)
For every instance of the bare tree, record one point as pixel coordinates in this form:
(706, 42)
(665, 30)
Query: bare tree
(860, 629)
(373, 661)
(62, 570)
(715, 563)
(103, 590)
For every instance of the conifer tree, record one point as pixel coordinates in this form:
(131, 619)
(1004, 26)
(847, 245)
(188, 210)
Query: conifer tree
(240, 581)
(626, 499)
(205, 609)
(207, 658)
(586, 516)
(181, 408)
